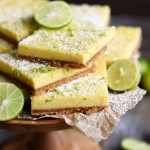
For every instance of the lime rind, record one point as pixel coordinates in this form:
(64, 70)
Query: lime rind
(123, 75)
(11, 101)
(54, 15)
(132, 144)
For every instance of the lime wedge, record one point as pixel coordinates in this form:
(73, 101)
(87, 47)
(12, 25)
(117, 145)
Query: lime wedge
(123, 75)
(54, 14)
(11, 101)
(132, 144)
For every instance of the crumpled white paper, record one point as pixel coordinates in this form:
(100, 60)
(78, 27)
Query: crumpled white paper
(99, 126)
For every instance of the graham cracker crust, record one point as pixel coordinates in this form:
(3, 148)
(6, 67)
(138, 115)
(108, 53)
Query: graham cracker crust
(67, 111)
(61, 64)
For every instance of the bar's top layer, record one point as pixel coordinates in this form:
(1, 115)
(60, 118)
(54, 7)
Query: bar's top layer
(5, 46)
(90, 16)
(16, 17)
(66, 45)
(125, 43)
(33, 74)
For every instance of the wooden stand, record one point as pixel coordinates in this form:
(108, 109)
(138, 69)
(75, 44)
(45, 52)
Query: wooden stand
(57, 139)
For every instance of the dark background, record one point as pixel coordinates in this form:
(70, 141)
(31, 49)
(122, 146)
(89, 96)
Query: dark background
(135, 123)
(136, 7)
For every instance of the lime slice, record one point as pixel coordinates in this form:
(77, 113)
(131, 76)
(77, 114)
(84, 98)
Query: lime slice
(123, 75)
(132, 144)
(54, 14)
(11, 101)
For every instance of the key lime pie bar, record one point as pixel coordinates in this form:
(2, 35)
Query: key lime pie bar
(125, 44)
(17, 17)
(87, 95)
(90, 16)
(39, 77)
(66, 48)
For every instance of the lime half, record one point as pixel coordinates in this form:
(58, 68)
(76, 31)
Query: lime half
(123, 75)
(11, 101)
(132, 144)
(54, 14)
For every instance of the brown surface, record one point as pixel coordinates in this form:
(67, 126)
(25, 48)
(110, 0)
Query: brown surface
(44, 125)
(64, 81)
(65, 64)
(85, 110)
(60, 140)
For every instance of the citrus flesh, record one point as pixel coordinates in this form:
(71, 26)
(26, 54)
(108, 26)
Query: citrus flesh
(123, 75)
(54, 14)
(11, 101)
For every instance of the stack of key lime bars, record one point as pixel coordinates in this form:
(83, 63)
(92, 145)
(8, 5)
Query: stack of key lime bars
(62, 58)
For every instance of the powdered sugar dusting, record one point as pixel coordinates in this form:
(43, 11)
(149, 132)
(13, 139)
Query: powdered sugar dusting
(87, 16)
(75, 41)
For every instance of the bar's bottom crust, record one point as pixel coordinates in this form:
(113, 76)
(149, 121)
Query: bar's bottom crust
(67, 111)
(61, 64)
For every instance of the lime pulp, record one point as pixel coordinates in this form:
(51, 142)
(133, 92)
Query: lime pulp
(54, 14)
(11, 101)
(123, 75)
